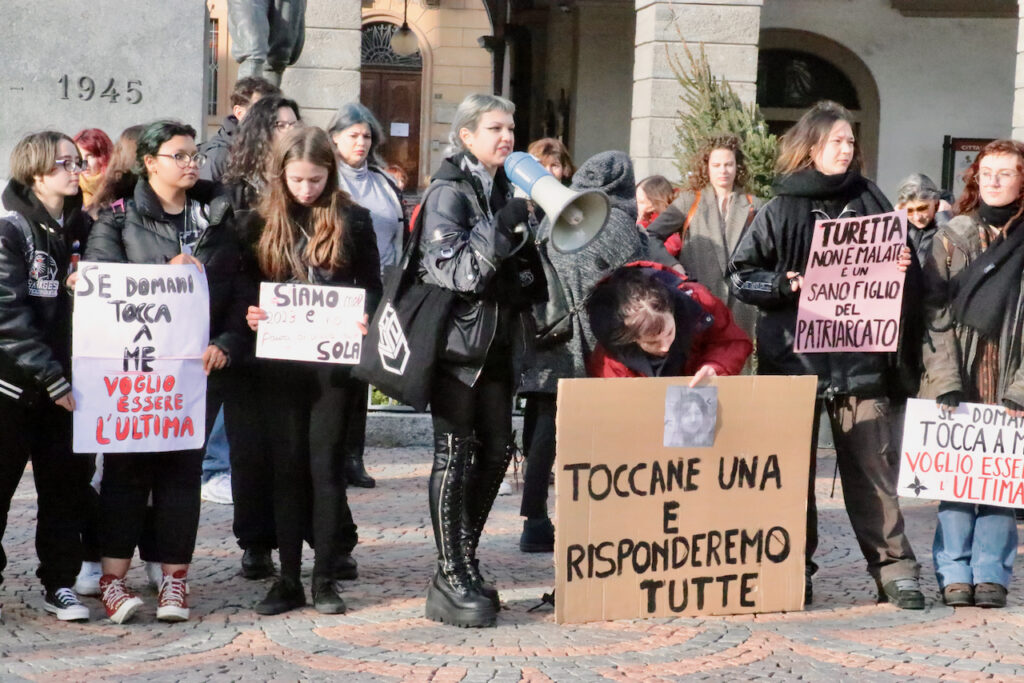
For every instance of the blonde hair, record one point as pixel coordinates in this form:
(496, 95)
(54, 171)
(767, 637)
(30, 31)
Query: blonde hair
(35, 154)
(468, 114)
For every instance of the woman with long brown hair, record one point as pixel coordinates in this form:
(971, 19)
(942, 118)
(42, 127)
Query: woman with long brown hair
(818, 177)
(972, 352)
(310, 232)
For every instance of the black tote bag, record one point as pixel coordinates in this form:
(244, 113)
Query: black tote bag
(403, 341)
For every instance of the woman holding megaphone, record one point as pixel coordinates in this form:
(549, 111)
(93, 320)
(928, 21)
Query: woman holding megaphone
(467, 240)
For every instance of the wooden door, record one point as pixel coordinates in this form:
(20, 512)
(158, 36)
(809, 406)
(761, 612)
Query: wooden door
(394, 98)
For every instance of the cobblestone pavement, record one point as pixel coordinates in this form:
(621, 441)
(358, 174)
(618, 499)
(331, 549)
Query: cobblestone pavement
(844, 634)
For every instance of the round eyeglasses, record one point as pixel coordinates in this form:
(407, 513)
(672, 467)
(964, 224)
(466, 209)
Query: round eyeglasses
(72, 165)
(183, 160)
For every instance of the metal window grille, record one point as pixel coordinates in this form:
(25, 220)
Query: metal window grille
(212, 70)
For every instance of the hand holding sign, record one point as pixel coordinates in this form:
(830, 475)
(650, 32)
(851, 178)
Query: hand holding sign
(851, 293)
(253, 316)
(67, 402)
(309, 323)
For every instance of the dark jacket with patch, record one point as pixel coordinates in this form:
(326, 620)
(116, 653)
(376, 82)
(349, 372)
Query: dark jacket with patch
(141, 233)
(35, 306)
(779, 240)
(461, 249)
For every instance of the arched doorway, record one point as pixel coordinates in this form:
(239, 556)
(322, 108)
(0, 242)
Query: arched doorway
(795, 69)
(390, 87)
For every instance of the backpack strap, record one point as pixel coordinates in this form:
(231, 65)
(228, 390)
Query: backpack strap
(948, 246)
(26, 231)
(689, 217)
(750, 211)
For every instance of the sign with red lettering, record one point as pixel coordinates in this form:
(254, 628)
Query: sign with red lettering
(310, 322)
(139, 332)
(973, 455)
(853, 290)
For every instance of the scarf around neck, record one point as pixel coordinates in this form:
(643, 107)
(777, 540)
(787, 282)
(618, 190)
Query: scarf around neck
(981, 293)
(814, 184)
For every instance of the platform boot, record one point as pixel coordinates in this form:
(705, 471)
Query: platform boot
(483, 481)
(451, 596)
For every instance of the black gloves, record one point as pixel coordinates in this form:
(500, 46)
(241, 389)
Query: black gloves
(950, 399)
(512, 214)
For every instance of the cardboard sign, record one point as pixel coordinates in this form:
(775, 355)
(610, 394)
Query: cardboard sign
(648, 530)
(974, 455)
(139, 333)
(853, 290)
(310, 323)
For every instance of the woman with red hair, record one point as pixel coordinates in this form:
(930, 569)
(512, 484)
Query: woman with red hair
(95, 148)
(972, 352)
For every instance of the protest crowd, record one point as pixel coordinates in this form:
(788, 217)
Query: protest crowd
(679, 281)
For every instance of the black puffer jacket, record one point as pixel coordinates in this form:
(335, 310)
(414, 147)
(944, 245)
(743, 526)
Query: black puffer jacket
(143, 234)
(462, 249)
(779, 240)
(35, 306)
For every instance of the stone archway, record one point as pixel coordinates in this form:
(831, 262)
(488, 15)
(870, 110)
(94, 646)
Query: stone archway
(798, 68)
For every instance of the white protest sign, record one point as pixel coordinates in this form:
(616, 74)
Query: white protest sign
(139, 332)
(310, 323)
(852, 292)
(974, 455)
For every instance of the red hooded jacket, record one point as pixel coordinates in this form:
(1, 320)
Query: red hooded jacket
(722, 344)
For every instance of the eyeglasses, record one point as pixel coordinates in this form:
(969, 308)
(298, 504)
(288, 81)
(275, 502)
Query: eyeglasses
(183, 160)
(286, 125)
(1002, 176)
(72, 165)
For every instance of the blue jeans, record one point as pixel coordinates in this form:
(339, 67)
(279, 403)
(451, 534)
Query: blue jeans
(216, 459)
(974, 544)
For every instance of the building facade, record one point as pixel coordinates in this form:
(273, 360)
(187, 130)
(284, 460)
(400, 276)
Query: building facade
(598, 74)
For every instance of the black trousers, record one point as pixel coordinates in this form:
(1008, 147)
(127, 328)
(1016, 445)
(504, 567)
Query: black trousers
(42, 434)
(252, 489)
(539, 444)
(483, 411)
(353, 445)
(304, 405)
(173, 478)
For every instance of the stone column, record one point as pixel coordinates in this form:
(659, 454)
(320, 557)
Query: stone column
(327, 74)
(1018, 93)
(729, 31)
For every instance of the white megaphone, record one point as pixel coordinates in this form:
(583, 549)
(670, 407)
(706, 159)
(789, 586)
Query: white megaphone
(576, 217)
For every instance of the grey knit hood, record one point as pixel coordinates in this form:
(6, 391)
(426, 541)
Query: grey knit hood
(612, 173)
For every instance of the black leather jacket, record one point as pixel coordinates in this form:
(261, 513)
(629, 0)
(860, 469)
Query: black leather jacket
(142, 234)
(462, 249)
(35, 306)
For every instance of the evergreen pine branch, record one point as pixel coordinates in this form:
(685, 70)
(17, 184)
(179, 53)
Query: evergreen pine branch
(710, 107)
